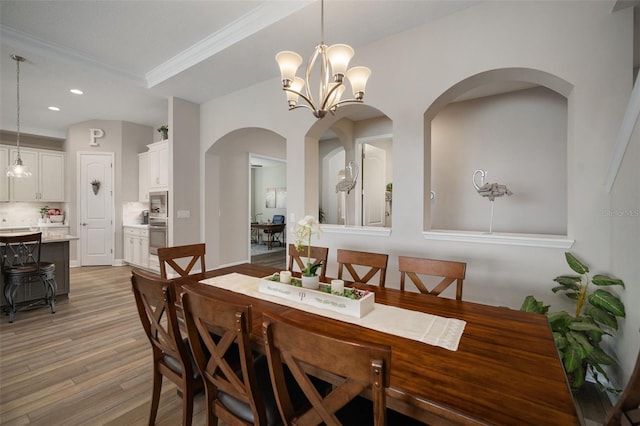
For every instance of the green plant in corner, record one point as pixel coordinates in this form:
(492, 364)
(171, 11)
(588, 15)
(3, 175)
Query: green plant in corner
(578, 337)
(303, 230)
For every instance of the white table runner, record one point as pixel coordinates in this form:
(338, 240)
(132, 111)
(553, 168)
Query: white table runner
(426, 328)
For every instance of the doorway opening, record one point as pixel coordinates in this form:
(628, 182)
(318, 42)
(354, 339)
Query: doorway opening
(267, 210)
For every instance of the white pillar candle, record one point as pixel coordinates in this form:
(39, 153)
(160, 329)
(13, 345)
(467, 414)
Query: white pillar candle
(337, 286)
(285, 277)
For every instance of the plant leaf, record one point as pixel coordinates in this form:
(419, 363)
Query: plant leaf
(598, 357)
(604, 300)
(530, 304)
(559, 321)
(602, 317)
(577, 266)
(560, 341)
(575, 338)
(578, 377)
(572, 356)
(572, 281)
(585, 326)
(604, 280)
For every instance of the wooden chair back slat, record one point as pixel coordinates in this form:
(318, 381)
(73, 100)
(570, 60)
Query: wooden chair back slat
(195, 254)
(627, 409)
(376, 262)
(298, 257)
(451, 271)
(362, 366)
(217, 360)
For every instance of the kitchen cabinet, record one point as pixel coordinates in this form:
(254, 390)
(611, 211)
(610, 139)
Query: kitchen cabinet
(47, 179)
(158, 163)
(143, 177)
(136, 246)
(4, 180)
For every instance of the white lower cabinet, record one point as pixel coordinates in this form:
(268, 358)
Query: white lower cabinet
(136, 246)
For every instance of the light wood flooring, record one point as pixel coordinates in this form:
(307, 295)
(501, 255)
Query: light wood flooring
(89, 364)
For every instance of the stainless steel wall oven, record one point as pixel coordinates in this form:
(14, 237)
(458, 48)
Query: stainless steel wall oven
(158, 234)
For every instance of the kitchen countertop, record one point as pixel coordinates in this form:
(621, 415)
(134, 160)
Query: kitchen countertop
(136, 226)
(42, 225)
(45, 239)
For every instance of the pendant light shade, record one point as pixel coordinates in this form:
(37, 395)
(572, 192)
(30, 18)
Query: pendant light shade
(16, 169)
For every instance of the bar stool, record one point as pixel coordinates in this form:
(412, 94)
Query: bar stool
(21, 264)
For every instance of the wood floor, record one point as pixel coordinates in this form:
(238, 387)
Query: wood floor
(89, 364)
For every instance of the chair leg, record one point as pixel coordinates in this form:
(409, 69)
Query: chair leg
(212, 419)
(187, 405)
(51, 289)
(9, 295)
(155, 398)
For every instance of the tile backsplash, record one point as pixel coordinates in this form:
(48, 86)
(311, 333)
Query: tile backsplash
(24, 214)
(132, 212)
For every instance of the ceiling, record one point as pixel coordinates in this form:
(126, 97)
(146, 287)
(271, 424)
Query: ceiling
(130, 56)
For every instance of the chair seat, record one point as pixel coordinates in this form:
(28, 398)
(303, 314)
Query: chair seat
(243, 410)
(174, 364)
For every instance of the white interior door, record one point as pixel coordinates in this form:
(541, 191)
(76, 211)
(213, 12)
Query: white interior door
(96, 209)
(373, 185)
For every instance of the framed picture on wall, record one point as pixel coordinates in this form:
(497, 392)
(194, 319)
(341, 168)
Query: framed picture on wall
(270, 198)
(281, 198)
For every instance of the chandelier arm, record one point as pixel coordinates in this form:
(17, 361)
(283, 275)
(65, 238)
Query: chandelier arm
(346, 101)
(312, 106)
(327, 96)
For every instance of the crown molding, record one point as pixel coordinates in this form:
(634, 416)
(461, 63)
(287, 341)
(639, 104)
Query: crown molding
(20, 40)
(264, 15)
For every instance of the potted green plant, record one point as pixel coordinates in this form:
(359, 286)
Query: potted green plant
(164, 131)
(303, 230)
(578, 337)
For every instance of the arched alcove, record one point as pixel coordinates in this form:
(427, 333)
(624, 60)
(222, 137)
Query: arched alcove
(226, 190)
(342, 138)
(511, 123)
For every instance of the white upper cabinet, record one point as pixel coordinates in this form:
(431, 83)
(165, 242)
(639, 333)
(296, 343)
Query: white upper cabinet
(47, 180)
(158, 163)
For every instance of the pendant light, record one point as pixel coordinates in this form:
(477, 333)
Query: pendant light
(17, 169)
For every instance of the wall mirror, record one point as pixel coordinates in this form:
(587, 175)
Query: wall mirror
(356, 170)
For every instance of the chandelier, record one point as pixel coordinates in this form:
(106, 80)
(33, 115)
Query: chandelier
(17, 169)
(333, 62)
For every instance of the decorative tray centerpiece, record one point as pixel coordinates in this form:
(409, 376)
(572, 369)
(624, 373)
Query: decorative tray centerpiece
(353, 302)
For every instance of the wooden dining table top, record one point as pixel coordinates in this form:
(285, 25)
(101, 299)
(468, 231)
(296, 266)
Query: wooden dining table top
(506, 370)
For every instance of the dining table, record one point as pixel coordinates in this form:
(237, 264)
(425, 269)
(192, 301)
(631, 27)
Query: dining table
(504, 371)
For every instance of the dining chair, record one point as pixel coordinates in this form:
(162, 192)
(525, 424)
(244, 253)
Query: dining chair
(450, 271)
(318, 254)
(237, 396)
(358, 367)
(277, 233)
(171, 354)
(626, 412)
(376, 262)
(21, 263)
(173, 256)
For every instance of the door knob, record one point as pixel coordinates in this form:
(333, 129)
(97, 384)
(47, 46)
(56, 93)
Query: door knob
(83, 224)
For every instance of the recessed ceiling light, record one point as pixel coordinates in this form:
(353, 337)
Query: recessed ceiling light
(76, 91)
(54, 108)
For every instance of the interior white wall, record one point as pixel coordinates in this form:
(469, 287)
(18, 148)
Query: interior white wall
(184, 195)
(227, 195)
(268, 177)
(125, 140)
(583, 43)
(520, 140)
